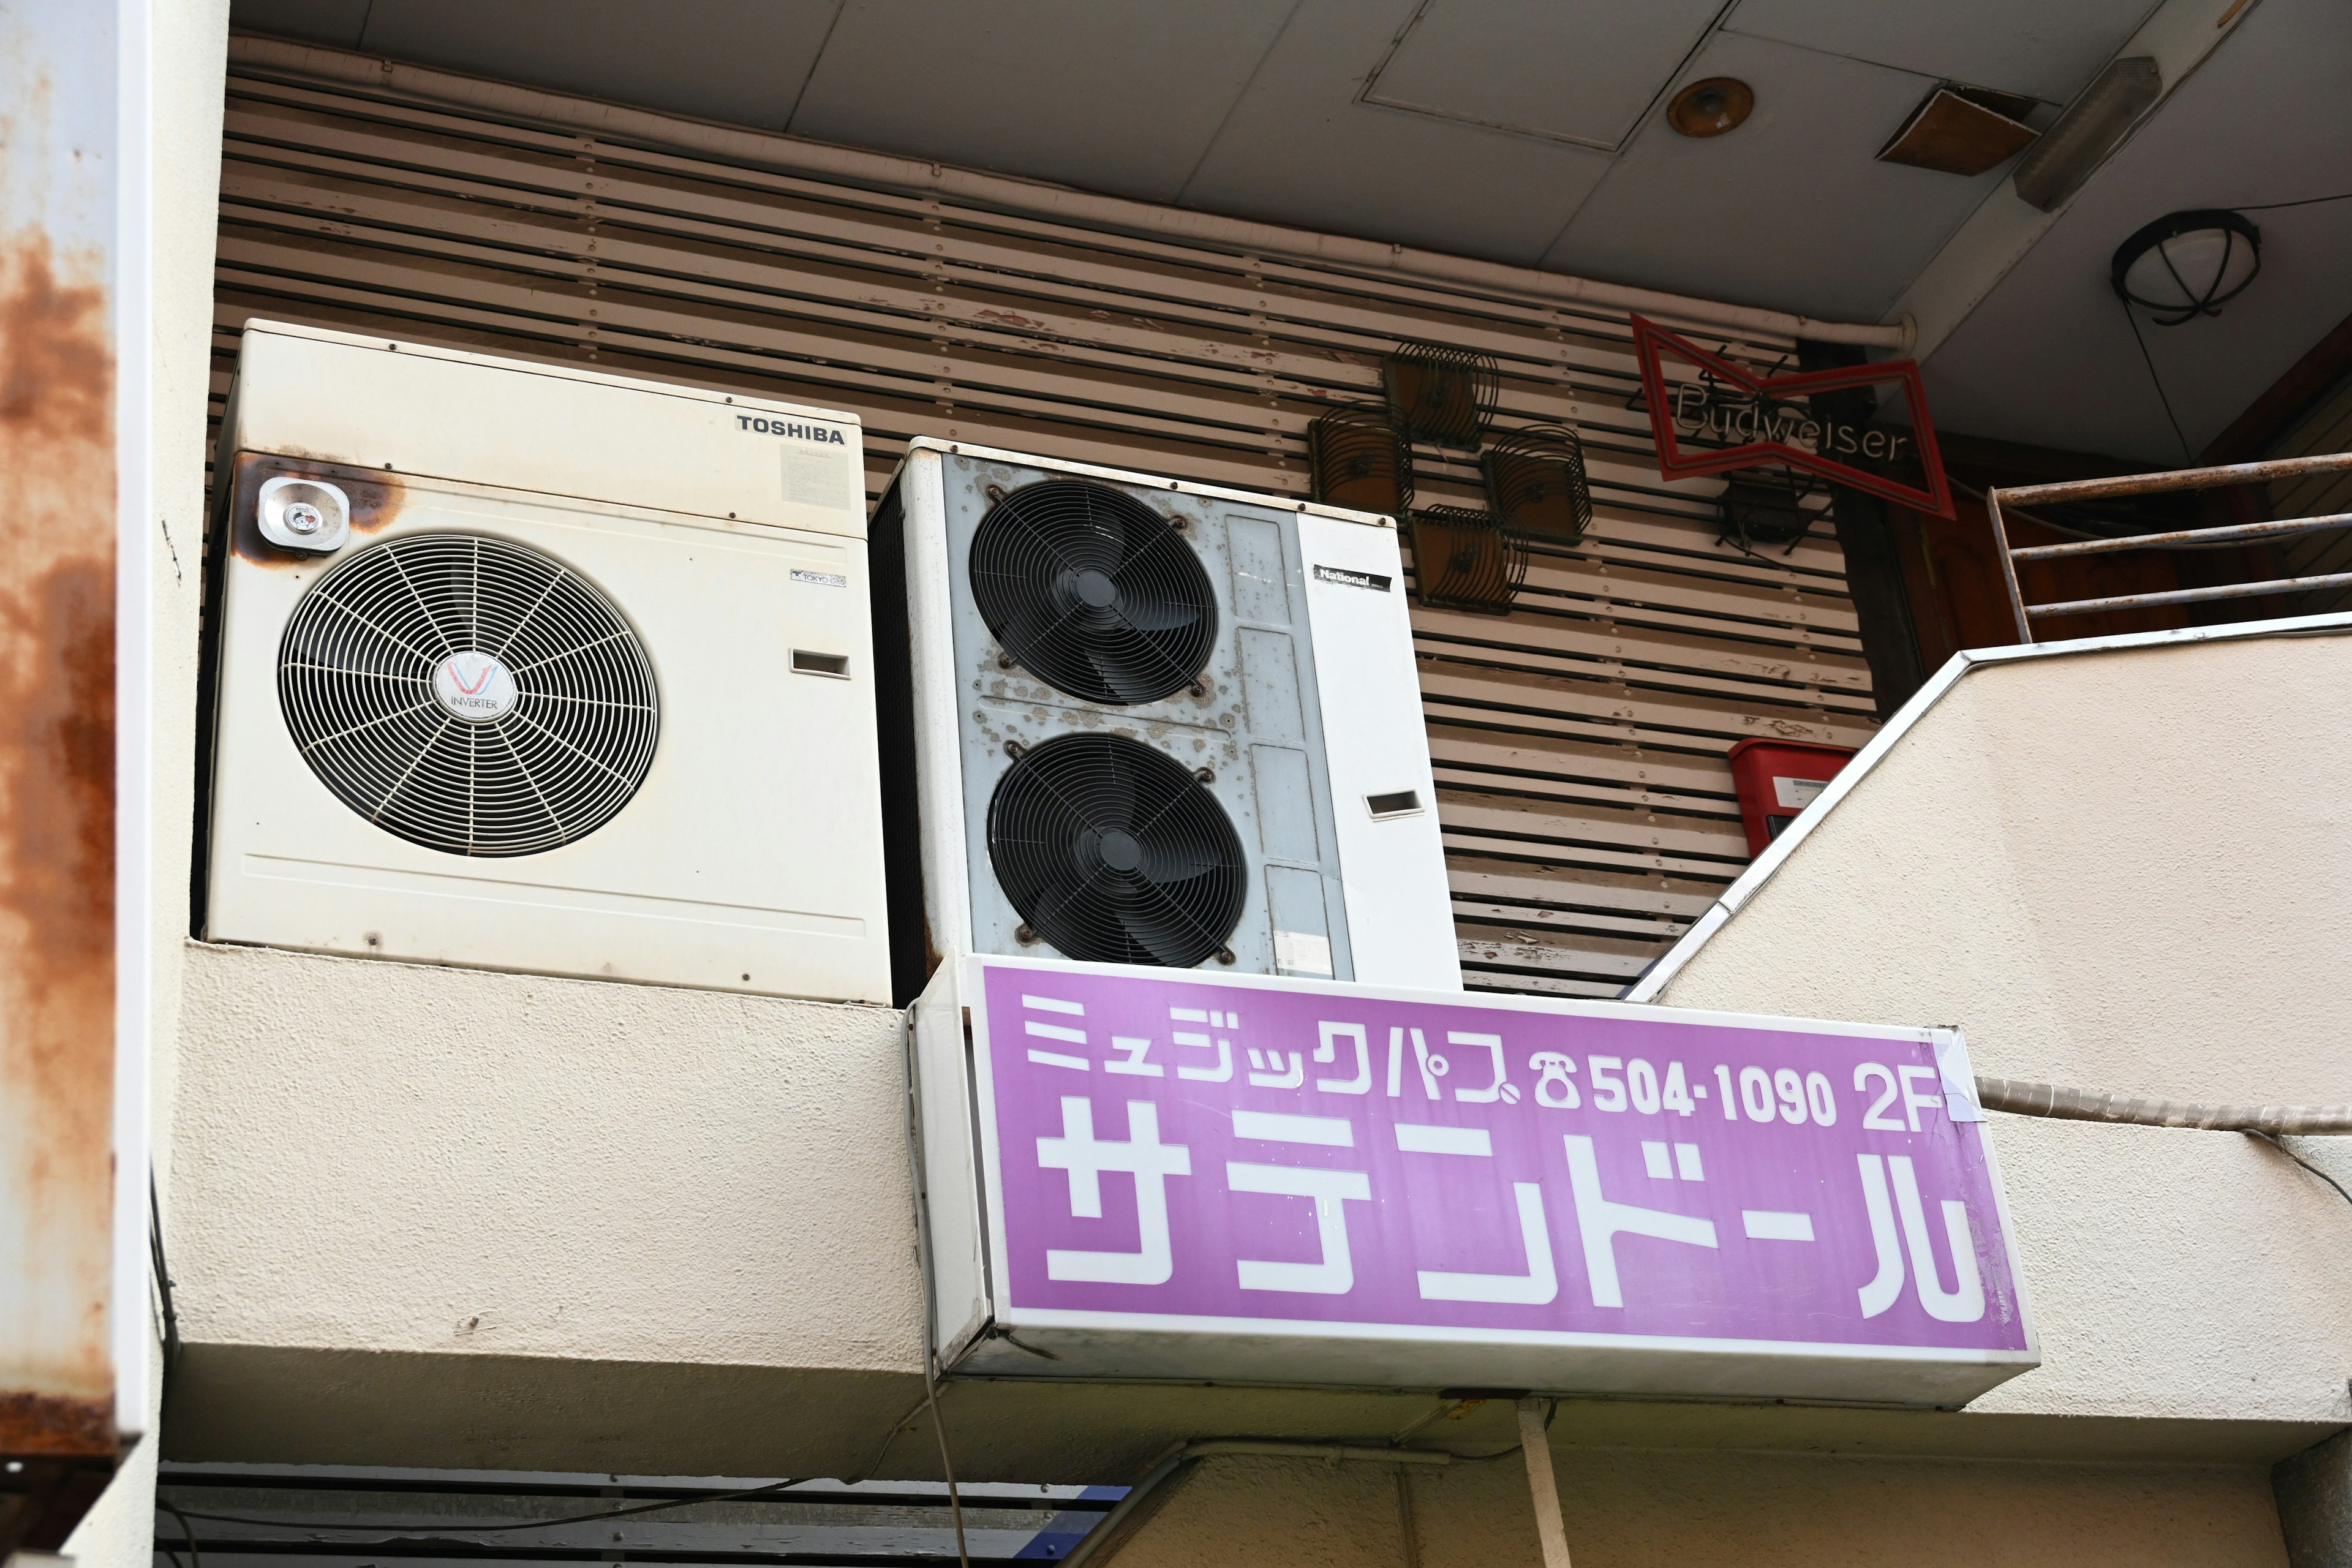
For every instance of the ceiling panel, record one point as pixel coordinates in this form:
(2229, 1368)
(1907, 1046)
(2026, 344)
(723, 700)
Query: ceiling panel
(740, 60)
(2049, 358)
(1298, 149)
(1579, 71)
(336, 22)
(1121, 97)
(2046, 47)
(1791, 209)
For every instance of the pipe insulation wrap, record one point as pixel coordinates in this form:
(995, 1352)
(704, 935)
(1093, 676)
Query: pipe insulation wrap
(2023, 1099)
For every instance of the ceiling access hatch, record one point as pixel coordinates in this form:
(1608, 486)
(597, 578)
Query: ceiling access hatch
(1583, 71)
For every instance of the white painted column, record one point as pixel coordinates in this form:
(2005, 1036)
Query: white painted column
(1535, 1443)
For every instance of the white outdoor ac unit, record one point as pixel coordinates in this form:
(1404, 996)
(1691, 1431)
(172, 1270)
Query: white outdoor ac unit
(527, 667)
(1153, 722)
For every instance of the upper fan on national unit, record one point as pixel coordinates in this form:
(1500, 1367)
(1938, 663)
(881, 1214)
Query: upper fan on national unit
(1093, 592)
(470, 694)
(1115, 854)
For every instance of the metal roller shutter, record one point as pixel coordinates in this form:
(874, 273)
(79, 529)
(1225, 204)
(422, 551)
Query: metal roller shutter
(1578, 742)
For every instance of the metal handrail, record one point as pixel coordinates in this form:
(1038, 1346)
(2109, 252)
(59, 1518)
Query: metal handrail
(2153, 484)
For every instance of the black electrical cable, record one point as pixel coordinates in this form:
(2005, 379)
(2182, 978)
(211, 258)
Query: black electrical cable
(919, 1177)
(2186, 450)
(399, 1529)
(169, 1313)
(2273, 1140)
(2306, 202)
(187, 1531)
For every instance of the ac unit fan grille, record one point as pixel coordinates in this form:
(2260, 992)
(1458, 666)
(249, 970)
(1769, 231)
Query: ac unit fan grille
(1093, 592)
(1115, 854)
(375, 670)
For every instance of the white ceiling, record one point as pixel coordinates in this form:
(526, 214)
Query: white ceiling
(2049, 351)
(1530, 132)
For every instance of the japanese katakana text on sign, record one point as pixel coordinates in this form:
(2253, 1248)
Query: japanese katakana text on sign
(1183, 1151)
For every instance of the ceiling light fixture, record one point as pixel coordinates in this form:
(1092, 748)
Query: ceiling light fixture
(1711, 106)
(2187, 264)
(2091, 128)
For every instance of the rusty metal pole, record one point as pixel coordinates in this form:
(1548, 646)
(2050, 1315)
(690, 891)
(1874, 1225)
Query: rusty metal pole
(1536, 1445)
(2008, 565)
(2156, 484)
(73, 487)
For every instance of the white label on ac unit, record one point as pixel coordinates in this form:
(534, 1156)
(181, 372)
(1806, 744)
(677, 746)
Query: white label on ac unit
(815, 476)
(1302, 953)
(1798, 794)
(823, 579)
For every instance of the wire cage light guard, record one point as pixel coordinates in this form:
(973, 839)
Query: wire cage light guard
(1442, 396)
(1465, 560)
(1536, 483)
(1359, 458)
(2157, 484)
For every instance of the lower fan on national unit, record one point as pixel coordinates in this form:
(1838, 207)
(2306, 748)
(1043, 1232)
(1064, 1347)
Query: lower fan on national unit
(470, 694)
(1114, 853)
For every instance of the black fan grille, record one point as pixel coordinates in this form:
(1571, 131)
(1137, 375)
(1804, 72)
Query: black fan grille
(1115, 854)
(1093, 592)
(356, 679)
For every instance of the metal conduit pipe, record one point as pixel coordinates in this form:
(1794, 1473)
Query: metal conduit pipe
(853, 166)
(2024, 1099)
(1123, 1519)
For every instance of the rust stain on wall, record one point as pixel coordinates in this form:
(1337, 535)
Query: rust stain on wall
(56, 827)
(33, 1424)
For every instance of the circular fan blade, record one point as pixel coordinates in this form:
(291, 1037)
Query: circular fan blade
(1113, 853)
(1162, 928)
(470, 694)
(1093, 592)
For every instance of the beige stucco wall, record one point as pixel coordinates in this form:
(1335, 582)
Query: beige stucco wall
(1664, 1508)
(2125, 870)
(398, 1158)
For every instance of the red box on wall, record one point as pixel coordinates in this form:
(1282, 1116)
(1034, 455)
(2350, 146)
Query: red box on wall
(1778, 779)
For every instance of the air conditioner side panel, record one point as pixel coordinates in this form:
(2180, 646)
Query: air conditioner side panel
(1400, 908)
(938, 738)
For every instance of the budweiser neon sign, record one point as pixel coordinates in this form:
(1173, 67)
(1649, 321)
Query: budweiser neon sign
(1769, 419)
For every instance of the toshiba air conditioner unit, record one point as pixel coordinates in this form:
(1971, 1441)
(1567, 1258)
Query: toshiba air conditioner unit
(1151, 722)
(527, 667)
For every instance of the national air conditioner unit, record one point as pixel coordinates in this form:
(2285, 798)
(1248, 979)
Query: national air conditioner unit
(528, 667)
(1151, 722)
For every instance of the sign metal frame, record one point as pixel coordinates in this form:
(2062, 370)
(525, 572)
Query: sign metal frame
(984, 1327)
(1653, 344)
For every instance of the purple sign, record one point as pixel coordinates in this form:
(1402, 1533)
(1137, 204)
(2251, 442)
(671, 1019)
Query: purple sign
(1198, 1175)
